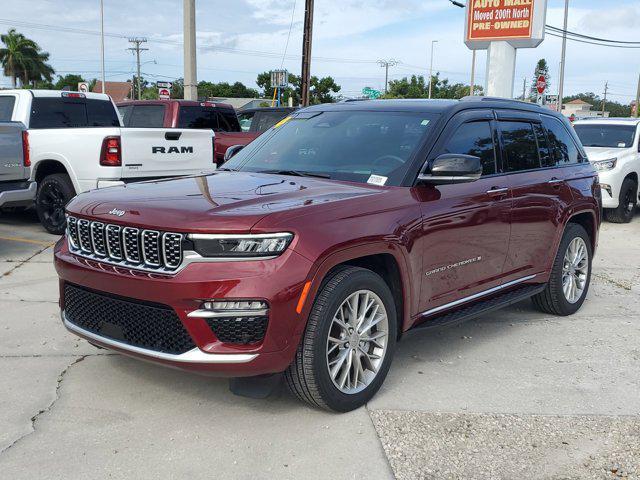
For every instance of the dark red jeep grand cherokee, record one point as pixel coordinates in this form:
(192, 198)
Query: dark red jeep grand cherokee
(340, 229)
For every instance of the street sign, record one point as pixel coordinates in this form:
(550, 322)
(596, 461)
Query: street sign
(83, 87)
(164, 85)
(164, 93)
(371, 93)
(541, 84)
(518, 22)
(279, 79)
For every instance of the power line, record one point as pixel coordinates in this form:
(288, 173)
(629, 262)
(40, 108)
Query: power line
(286, 45)
(588, 37)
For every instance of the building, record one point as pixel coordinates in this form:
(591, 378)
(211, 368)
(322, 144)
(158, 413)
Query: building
(118, 91)
(580, 109)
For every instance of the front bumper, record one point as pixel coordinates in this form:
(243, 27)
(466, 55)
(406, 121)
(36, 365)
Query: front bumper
(610, 185)
(278, 281)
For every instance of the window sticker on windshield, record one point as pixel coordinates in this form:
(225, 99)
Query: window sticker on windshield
(424, 122)
(282, 122)
(622, 145)
(377, 180)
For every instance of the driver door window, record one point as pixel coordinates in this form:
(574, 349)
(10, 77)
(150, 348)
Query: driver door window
(475, 138)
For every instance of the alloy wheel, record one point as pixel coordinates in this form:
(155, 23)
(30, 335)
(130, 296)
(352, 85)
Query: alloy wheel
(52, 202)
(357, 341)
(575, 270)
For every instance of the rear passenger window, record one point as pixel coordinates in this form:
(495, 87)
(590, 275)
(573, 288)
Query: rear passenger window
(6, 108)
(563, 148)
(147, 116)
(520, 146)
(476, 139)
(54, 112)
(546, 159)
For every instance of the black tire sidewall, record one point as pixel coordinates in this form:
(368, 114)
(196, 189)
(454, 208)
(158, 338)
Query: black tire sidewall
(63, 183)
(361, 280)
(572, 231)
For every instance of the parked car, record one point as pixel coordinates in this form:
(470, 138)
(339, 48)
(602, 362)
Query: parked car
(253, 123)
(15, 165)
(322, 243)
(77, 144)
(612, 145)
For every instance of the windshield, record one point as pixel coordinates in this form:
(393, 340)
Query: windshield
(357, 146)
(601, 135)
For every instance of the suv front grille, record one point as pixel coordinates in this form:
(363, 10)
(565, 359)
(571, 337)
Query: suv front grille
(150, 326)
(149, 250)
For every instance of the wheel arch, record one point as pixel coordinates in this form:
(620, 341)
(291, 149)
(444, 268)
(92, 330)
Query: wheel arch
(50, 166)
(588, 221)
(387, 260)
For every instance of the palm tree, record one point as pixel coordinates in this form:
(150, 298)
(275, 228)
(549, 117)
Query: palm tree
(22, 59)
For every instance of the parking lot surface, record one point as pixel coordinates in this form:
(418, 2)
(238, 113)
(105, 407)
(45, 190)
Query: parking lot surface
(515, 394)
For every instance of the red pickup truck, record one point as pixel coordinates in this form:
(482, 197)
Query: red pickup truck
(219, 117)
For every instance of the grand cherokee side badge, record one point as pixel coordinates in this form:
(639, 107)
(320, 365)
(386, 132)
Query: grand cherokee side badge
(116, 212)
(454, 265)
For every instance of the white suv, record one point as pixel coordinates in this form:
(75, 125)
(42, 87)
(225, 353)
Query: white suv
(612, 147)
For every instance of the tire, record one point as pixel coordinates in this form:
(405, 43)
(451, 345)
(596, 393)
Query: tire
(627, 206)
(54, 192)
(553, 299)
(309, 377)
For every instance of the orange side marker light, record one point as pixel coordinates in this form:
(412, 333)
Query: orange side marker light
(303, 297)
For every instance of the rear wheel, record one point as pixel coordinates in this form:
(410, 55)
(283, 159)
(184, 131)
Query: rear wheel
(570, 275)
(54, 192)
(348, 343)
(627, 206)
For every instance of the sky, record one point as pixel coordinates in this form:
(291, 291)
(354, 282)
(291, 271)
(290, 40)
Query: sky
(237, 39)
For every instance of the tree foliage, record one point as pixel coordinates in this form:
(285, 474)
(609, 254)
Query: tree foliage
(225, 90)
(417, 87)
(542, 68)
(23, 60)
(615, 109)
(322, 90)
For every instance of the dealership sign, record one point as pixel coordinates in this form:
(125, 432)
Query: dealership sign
(519, 22)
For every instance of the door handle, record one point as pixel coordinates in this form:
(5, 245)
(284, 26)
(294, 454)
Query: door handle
(555, 182)
(498, 192)
(172, 135)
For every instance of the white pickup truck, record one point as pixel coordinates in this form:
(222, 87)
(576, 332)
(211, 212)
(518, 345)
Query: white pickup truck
(77, 143)
(613, 147)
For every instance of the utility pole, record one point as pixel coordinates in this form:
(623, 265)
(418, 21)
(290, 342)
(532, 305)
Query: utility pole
(433, 42)
(104, 87)
(189, 45)
(638, 98)
(386, 64)
(604, 100)
(472, 84)
(306, 53)
(137, 41)
(524, 89)
(563, 56)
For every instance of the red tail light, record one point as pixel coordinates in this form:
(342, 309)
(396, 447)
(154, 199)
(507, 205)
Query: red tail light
(26, 154)
(110, 156)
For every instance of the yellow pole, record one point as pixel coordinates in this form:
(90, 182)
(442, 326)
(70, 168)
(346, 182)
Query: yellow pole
(273, 101)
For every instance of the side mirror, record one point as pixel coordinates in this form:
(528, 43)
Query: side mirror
(451, 168)
(231, 151)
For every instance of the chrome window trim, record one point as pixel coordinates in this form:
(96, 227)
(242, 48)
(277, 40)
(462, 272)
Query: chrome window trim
(455, 303)
(192, 356)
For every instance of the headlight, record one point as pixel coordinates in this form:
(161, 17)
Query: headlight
(604, 165)
(240, 246)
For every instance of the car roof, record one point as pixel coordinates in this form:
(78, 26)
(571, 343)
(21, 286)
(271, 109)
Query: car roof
(190, 103)
(55, 93)
(437, 106)
(610, 120)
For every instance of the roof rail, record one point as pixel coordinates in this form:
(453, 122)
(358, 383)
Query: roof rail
(477, 98)
(354, 100)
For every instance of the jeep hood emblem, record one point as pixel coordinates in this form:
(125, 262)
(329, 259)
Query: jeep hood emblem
(116, 212)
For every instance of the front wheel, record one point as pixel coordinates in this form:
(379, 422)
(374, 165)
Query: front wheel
(627, 206)
(54, 192)
(348, 344)
(570, 274)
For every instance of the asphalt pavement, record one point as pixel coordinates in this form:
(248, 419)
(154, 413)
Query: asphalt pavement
(515, 394)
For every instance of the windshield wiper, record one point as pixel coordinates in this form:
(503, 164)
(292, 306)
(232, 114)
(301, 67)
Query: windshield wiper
(296, 173)
(225, 169)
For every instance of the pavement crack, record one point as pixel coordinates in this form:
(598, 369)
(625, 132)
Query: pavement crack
(35, 417)
(21, 263)
(606, 278)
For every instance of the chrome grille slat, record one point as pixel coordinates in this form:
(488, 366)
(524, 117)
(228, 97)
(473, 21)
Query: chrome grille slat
(149, 250)
(97, 239)
(131, 244)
